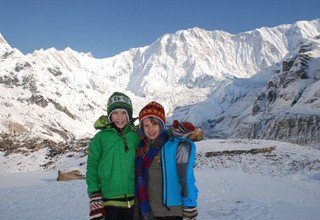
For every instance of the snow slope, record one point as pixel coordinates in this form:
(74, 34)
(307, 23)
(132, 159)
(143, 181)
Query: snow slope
(282, 184)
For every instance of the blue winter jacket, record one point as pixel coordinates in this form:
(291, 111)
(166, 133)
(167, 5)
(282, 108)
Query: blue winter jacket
(172, 192)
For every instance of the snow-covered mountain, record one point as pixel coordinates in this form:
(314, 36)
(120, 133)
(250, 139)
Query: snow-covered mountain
(262, 83)
(280, 102)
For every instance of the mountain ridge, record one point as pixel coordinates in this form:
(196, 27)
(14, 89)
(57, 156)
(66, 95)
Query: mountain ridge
(51, 94)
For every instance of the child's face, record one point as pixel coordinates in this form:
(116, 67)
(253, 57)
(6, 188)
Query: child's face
(120, 118)
(152, 128)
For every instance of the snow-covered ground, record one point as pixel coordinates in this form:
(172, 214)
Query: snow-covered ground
(282, 184)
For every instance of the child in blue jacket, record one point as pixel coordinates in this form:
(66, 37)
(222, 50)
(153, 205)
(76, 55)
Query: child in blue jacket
(164, 169)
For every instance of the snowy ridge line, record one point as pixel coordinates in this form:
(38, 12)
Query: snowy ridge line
(215, 78)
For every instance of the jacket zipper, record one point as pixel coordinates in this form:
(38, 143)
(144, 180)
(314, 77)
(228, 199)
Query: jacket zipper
(129, 206)
(164, 183)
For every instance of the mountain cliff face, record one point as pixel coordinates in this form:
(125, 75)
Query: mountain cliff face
(280, 103)
(247, 85)
(288, 107)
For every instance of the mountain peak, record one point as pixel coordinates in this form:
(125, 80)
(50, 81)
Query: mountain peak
(4, 46)
(208, 77)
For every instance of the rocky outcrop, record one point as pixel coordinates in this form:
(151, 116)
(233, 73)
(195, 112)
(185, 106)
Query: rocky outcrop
(18, 143)
(70, 175)
(295, 128)
(237, 152)
(288, 108)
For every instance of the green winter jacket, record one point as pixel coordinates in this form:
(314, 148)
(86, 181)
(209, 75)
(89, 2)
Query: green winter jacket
(110, 167)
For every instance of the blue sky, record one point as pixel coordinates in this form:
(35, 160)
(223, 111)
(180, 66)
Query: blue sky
(106, 27)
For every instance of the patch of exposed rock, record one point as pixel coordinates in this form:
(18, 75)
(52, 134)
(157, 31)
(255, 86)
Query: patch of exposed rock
(12, 144)
(70, 175)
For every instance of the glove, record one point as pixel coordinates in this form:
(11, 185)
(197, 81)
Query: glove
(182, 129)
(96, 207)
(189, 213)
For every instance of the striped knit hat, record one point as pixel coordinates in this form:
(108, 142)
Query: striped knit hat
(153, 109)
(119, 100)
(182, 129)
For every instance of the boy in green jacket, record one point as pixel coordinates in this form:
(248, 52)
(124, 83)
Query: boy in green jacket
(110, 172)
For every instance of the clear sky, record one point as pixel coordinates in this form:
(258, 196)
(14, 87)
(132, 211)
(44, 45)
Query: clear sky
(106, 28)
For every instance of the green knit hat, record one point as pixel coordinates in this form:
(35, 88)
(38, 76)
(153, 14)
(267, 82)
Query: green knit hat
(119, 100)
